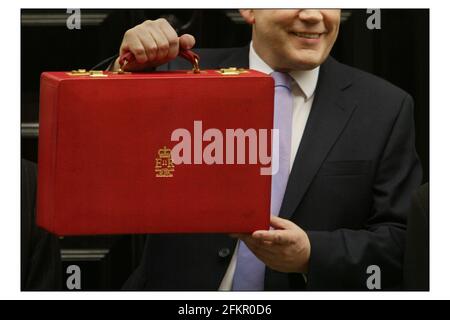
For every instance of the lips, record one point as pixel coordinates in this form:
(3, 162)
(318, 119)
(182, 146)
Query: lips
(307, 35)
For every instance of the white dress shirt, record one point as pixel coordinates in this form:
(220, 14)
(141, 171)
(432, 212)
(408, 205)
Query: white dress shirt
(303, 86)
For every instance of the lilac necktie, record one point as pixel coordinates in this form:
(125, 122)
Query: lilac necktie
(249, 273)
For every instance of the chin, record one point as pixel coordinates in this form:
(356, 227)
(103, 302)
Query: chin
(308, 61)
(305, 64)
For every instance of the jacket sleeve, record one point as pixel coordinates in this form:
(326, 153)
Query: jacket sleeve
(340, 259)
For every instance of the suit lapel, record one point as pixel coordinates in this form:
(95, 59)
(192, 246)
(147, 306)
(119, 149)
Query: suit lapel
(329, 115)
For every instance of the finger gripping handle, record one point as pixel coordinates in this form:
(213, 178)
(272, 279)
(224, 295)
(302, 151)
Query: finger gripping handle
(189, 55)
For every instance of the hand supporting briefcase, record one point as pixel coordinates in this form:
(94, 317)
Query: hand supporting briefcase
(106, 152)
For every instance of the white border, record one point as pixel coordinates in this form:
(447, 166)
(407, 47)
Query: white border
(10, 168)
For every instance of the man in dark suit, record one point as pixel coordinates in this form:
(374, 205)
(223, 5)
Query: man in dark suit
(353, 169)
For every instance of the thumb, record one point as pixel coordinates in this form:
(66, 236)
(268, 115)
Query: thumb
(280, 223)
(187, 41)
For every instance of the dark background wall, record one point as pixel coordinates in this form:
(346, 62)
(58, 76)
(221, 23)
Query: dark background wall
(398, 52)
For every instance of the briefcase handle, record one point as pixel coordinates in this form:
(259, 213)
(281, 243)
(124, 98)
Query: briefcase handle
(189, 55)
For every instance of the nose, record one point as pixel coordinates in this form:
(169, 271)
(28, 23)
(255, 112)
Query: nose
(310, 16)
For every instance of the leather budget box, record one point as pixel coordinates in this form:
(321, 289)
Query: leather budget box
(162, 152)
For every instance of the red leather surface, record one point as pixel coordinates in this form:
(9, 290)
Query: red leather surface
(99, 139)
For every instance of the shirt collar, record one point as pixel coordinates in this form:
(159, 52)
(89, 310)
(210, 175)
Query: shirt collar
(305, 79)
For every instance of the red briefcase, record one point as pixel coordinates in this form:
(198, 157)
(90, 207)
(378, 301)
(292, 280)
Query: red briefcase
(108, 144)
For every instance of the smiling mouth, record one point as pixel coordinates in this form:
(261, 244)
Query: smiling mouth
(307, 35)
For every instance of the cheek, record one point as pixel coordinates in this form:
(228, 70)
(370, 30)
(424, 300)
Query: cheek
(331, 16)
(333, 29)
(271, 32)
(331, 19)
(331, 38)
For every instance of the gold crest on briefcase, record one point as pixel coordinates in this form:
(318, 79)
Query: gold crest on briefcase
(164, 166)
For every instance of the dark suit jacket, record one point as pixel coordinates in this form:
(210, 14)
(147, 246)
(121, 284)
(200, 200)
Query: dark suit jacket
(350, 188)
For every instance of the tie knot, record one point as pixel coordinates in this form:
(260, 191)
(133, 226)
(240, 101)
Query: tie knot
(281, 79)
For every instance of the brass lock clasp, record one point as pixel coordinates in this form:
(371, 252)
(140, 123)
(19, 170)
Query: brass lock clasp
(91, 73)
(232, 71)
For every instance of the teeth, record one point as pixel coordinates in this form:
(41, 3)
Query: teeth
(308, 35)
